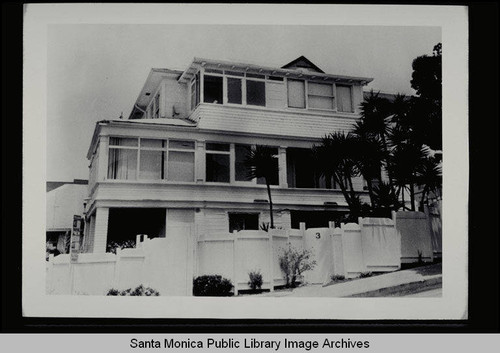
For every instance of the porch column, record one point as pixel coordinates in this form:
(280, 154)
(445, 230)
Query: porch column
(282, 167)
(200, 162)
(101, 229)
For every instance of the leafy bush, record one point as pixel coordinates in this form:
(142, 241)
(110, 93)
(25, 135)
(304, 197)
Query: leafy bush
(337, 278)
(124, 244)
(294, 262)
(365, 274)
(255, 280)
(138, 291)
(212, 286)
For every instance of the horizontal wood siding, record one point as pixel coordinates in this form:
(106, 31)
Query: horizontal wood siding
(263, 121)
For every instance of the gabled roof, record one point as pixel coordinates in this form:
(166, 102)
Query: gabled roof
(302, 63)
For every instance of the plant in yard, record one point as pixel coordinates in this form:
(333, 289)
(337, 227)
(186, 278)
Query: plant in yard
(139, 291)
(337, 278)
(124, 244)
(212, 286)
(264, 226)
(294, 262)
(255, 281)
(365, 274)
(262, 162)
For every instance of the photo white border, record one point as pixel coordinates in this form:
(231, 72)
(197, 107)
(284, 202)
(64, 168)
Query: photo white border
(453, 22)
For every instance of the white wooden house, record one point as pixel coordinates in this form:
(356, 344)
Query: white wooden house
(179, 157)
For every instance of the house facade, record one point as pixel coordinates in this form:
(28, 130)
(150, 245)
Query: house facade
(179, 157)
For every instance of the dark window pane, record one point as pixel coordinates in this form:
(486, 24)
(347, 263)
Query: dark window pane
(234, 90)
(217, 168)
(241, 154)
(212, 89)
(243, 221)
(256, 93)
(274, 174)
(212, 146)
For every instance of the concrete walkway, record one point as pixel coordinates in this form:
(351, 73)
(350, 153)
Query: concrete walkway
(399, 283)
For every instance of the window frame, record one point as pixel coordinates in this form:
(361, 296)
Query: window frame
(351, 93)
(165, 158)
(228, 153)
(333, 96)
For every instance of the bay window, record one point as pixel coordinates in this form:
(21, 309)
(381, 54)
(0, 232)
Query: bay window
(151, 159)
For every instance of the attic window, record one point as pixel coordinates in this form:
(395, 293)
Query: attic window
(212, 89)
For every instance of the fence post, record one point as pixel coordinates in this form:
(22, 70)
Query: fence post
(271, 262)
(235, 279)
(337, 249)
(302, 227)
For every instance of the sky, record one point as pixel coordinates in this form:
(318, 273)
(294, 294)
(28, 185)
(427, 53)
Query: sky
(96, 71)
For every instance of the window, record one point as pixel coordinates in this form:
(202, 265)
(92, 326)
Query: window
(212, 89)
(320, 96)
(243, 221)
(240, 170)
(344, 99)
(150, 159)
(296, 94)
(301, 170)
(217, 162)
(122, 161)
(234, 90)
(274, 177)
(256, 92)
(195, 91)
(180, 160)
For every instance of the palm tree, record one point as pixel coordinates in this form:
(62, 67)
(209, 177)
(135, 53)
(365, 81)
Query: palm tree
(261, 162)
(429, 178)
(336, 157)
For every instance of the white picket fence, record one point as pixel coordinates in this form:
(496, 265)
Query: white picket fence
(169, 264)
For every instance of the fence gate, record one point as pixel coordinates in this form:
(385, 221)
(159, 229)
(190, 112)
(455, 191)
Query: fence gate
(318, 241)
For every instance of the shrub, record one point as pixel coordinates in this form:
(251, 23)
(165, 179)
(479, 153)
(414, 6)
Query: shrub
(212, 286)
(294, 262)
(124, 244)
(337, 278)
(365, 274)
(138, 291)
(255, 280)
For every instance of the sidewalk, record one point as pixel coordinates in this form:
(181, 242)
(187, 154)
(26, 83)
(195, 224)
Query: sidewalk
(399, 283)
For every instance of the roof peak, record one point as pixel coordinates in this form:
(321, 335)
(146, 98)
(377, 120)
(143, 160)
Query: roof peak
(302, 63)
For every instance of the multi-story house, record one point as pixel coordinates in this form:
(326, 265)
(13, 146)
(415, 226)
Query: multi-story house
(179, 157)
